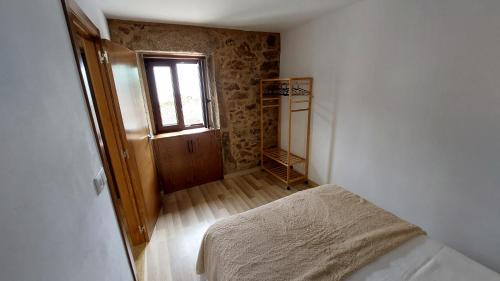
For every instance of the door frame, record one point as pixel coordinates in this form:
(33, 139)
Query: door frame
(80, 26)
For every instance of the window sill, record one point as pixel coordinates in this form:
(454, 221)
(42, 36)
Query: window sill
(181, 133)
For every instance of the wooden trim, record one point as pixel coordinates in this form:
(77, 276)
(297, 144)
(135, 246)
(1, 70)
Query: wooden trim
(182, 133)
(204, 91)
(278, 141)
(300, 110)
(270, 106)
(275, 80)
(301, 78)
(308, 136)
(174, 57)
(177, 96)
(77, 20)
(166, 54)
(145, 93)
(262, 124)
(153, 96)
(289, 147)
(79, 24)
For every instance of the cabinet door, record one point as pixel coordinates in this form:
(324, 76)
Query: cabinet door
(207, 156)
(174, 156)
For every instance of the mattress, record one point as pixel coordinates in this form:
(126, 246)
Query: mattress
(423, 259)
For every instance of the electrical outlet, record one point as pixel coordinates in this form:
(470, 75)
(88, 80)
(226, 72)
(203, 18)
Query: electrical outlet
(100, 181)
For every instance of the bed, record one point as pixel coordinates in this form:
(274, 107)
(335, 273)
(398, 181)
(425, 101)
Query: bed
(327, 233)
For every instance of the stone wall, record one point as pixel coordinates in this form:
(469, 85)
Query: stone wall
(239, 59)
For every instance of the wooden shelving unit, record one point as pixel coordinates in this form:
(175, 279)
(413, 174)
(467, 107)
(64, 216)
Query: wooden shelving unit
(281, 156)
(276, 160)
(281, 173)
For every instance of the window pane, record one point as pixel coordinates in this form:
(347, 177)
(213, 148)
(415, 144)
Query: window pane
(165, 91)
(190, 91)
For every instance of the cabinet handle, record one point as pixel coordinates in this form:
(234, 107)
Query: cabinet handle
(189, 146)
(192, 147)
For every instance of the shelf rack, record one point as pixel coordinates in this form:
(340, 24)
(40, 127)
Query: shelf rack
(276, 160)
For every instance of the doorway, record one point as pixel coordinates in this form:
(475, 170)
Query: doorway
(113, 97)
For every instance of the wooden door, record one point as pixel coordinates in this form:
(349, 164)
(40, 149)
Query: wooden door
(130, 103)
(174, 156)
(207, 156)
(100, 101)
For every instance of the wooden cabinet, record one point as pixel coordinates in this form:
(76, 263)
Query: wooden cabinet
(188, 158)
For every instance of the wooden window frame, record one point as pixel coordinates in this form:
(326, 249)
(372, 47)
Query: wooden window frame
(171, 61)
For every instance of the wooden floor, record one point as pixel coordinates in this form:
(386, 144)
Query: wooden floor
(172, 252)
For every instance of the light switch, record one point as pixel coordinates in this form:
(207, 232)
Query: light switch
(100, 181)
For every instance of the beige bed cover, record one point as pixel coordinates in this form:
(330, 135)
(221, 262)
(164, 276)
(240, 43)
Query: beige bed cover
(324, 233)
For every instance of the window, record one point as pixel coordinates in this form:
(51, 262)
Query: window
(177, 90)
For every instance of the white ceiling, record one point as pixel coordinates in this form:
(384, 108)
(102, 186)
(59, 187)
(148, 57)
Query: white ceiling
(258, 15)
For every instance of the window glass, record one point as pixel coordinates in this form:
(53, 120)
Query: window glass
(190, 91)
(165, 92)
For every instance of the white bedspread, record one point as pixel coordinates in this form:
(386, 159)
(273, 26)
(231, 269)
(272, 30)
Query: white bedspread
(423, 259)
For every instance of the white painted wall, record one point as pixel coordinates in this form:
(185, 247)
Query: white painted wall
(90, 7)
(407, 111)
(306, 51)
(53, 226)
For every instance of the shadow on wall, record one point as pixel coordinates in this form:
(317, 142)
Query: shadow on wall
(323, 117)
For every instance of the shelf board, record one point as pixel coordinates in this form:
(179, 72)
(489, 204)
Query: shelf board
(271, 97)
(280, 173)
(271, 106)
(280, 155)
(287, 79)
